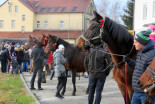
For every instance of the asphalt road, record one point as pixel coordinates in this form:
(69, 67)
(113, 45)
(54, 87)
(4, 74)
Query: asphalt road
(110, 95)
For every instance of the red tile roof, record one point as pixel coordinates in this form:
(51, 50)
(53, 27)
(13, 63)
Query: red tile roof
(57, 6)
(38, 33)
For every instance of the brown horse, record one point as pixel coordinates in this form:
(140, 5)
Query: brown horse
(119, 43)
(147, 80)
(75, 58)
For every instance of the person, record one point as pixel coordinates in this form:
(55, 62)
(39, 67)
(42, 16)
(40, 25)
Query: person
(60, 70)
(145, 55)
(5, 56)
(96, 63)
(14, 65)
(37, 56)
(26, 59)
(19, 53)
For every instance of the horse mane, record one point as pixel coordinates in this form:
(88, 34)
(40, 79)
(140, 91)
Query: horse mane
(70, 49)
(117, 31)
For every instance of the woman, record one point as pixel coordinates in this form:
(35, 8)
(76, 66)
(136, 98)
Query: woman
(60, 70)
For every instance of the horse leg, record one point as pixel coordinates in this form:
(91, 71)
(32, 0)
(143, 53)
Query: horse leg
(64, 88)
(123, 91)
(74, 81)
(130, 92)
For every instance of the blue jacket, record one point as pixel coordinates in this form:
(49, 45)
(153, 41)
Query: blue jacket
(143, 60)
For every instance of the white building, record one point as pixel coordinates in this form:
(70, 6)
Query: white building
(144, 14)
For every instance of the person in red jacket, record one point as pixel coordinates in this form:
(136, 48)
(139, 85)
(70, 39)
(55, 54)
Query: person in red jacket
(49, 63)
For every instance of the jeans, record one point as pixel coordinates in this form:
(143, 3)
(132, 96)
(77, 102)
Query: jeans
(25, 66)
(61, 84)
(14, 69)
(3, 65)
(95, 84)
(138, 98)
(35, 70)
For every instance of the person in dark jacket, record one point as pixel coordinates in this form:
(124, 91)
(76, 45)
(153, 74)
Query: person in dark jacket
(146, 53)
(19, 53)
(5, 56)
(26, 59)
(96, 63)
(37, 56)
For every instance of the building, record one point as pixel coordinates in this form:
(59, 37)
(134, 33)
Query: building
(144, 14)
(65, 18)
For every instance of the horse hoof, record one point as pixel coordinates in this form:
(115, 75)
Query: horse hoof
(73, 94)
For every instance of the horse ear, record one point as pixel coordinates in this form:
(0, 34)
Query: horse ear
(30, 36)
(98, 16)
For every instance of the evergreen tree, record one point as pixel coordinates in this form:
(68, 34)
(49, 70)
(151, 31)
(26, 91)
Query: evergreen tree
(128, 16)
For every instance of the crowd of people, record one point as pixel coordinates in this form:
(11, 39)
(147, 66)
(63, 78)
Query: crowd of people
(12, 57)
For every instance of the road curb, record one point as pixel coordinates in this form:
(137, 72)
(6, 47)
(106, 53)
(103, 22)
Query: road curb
(29, 91)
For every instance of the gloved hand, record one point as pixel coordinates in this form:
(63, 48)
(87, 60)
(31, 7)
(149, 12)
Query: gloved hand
(126, 59)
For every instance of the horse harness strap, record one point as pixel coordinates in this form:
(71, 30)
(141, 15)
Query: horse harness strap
(152, 73)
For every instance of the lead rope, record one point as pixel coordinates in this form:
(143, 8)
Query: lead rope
(126, 82)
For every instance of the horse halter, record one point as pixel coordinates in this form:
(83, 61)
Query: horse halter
(45, 41)
(99, 30)
(152, 73)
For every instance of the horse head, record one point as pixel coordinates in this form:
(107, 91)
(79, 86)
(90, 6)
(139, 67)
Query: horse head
(32, 41)
(147, 80)
(44, 40)
(52, 44)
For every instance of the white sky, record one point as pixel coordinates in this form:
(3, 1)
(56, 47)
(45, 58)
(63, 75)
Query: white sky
(2, 1)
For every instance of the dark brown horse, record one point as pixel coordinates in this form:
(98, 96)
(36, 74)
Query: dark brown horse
(147, 80)
(75, 58)
(119, 43)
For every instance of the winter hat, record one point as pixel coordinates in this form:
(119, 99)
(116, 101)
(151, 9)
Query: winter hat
(14, 58)
(13, 43)
(8, 46)
(18, 45)
(39, 45)
(143, 37)
(60, 47)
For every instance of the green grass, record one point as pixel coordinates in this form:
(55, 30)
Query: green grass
(12, 90)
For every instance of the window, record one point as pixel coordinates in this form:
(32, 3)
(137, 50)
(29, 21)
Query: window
(145, 11)
(16, 8)
(23, 17)
(46, 24)
(74, 8)
(49, 9)
(1, 24)
(87, 23)
(62, 24)
(154, 8)
(13, 23)
(23, 29)
(38, 24)
(10, 8)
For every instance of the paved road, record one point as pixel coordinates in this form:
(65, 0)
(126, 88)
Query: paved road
(110, 94)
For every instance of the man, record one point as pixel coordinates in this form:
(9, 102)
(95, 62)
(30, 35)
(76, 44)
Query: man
(96, 64)
(37, 56)
(146, 53)
(5, 56)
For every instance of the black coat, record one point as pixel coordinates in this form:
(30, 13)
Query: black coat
(96, 63)
(5, 55)
(20, 55)
(38, 56)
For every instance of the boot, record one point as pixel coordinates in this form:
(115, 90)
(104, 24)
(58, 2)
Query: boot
(52, 74)
(43, 77)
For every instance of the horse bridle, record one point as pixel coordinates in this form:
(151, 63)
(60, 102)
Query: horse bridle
(55, 44)
(150, 87)
(45, 40)
(87, 41)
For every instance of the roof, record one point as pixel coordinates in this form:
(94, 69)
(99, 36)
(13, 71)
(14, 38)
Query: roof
(56, 6)
(38, 33)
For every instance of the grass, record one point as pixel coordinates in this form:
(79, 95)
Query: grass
(12, 90)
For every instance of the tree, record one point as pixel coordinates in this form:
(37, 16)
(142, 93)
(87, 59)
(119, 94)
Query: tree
(128, 15)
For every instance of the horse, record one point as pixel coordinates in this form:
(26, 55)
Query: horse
(75, 58)
(147, 80)
(119, 43)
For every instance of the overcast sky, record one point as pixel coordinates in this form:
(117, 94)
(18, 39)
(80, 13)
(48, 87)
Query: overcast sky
(2, 1)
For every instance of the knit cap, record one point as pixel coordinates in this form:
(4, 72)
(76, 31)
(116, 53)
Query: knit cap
(143, 37)
(60, 47)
